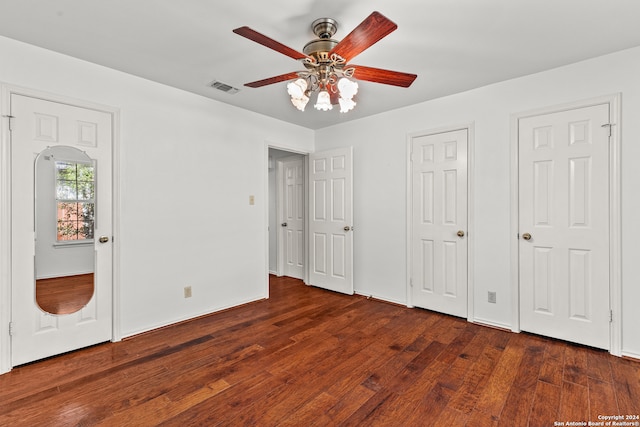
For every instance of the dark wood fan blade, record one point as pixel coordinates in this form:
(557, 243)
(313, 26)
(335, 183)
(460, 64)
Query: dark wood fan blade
(269, 42)
(272, 80)
(378, 75)
(370, 31)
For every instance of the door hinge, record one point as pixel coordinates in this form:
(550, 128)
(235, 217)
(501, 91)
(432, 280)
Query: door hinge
(11, 329)
(609, 126)
(411, 283)
(9, 117)
(610, 316)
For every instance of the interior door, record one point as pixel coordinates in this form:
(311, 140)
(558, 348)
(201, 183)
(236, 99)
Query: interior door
(331, 220)
(39, 125)
(292, 220)
(439, 222)
(564, 225)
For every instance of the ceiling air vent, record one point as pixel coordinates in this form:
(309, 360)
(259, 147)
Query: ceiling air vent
(224, 87)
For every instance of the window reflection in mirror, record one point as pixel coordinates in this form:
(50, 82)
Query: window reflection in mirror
(65, 219)
(75, 200)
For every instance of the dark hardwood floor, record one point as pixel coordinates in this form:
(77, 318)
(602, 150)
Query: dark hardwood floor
(309, 357)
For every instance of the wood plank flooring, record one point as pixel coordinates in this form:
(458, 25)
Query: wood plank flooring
(309, 357)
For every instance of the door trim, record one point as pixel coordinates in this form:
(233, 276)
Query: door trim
(6, 90)
(470, 128)
(615, 231)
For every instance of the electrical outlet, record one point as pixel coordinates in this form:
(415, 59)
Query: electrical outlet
(492, 297)
(187, 291)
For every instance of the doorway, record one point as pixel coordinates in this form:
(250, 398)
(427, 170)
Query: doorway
(326, 197)
(287, 202)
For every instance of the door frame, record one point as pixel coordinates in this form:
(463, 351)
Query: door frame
(305, 165)
(6, 90)
(470, 128)
(615, 213)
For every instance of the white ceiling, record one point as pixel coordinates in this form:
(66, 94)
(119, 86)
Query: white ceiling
(452, 45)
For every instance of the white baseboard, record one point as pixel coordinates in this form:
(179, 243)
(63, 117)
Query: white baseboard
(493, 324)
(631, 354)
(183, 319)
(377, 297)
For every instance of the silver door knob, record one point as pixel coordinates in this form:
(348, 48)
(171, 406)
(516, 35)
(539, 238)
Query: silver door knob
(284, 224)
(103, 239)
(460, 233)
(526, 236)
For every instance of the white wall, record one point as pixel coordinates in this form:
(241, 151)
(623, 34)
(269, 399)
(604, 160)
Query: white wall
(188, 165)
(380, 168)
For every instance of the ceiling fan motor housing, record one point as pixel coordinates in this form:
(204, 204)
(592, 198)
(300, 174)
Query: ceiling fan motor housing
(319, 48)
(324, 29)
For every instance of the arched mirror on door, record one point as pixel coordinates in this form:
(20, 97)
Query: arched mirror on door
(64, 223)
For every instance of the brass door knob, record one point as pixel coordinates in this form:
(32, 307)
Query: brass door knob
(284, 224)
(346, 228)
(526, 236)
(103, 239)
(460, 233)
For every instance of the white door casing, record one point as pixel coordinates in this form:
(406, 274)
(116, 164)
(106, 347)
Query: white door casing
(38, 124)
(439, 222)
(292, 217)
(331, 220)
(564, 224)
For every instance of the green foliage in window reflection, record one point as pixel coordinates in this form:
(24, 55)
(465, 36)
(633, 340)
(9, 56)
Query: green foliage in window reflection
(75, 193)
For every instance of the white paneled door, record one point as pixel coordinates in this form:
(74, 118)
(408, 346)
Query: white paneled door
(439, 222)
(564, 225)
(331, 220)
(37, 125)
(292, 217)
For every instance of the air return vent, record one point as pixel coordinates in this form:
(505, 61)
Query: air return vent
(224, 87)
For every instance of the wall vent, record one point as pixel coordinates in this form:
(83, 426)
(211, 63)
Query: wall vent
(224, 87)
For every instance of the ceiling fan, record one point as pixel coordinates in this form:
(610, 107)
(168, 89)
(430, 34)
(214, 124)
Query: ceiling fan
(326, 61)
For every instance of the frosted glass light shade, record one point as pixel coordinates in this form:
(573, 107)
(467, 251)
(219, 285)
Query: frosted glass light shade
(348, 88)
(300, 103)
(296, 88)
(324, 101)
(346, 104)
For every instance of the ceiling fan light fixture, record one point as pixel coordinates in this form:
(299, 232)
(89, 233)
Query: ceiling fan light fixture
(324, 101)
(348, 88)
(346, 105)
(300, 103)
(327, 63)
(296, 88)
